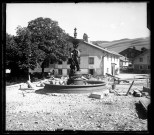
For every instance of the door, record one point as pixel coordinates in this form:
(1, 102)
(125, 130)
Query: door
(113, 68)
(91, 71)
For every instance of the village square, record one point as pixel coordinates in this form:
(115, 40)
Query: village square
(56, 81)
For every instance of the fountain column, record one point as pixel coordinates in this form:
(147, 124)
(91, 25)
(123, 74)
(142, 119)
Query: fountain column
(75, 73)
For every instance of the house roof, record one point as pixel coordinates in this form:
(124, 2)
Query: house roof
(111, 52)
(101, 48)
(147, 51)
(127, 49)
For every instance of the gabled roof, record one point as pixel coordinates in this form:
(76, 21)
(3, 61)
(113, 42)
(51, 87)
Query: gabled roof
(147, 51)
(111, 52)
(129, 49)
(72, 39)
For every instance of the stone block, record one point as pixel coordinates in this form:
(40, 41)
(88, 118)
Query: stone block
(137, 91)
(121, 94)
(145, 93)
(105, 92)
(138, 94)
(146, 89)
(96, 95)
(145, 102)
(131, 92)
(111, 91)
(42, 85)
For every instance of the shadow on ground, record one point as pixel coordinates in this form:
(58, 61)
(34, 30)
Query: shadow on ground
(142, 114)
(47, 92)
(42, 91)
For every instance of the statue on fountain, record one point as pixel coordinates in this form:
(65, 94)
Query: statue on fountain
(74, 74)
(75, 60)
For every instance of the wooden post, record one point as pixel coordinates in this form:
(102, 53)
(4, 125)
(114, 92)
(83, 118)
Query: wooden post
(130, 87)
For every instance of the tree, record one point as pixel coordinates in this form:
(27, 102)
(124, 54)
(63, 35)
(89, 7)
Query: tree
(50, 40)
(11, 54)
(40, 42)
(26, 49)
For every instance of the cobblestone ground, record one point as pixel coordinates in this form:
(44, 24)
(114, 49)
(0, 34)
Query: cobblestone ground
(30, 110)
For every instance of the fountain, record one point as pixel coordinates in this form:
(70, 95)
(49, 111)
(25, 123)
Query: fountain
(75, 82)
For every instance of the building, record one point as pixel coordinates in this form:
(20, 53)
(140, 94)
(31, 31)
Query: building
(130, 53)
(142, 62)
(124, 62)
(94, 60)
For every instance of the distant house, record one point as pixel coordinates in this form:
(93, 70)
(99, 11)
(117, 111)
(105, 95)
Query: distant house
(124, 62)
(142, 61)
(94, 60)
(130, 53)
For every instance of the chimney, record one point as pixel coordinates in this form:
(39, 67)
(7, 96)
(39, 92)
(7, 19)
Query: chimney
(134, 48)
(85, 37)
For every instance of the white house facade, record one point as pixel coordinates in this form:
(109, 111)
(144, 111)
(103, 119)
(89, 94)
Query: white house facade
(94, 60)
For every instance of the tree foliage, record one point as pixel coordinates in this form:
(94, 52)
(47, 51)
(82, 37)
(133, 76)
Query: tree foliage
(40, 42)
(12, 56)
(11, 50)
(49, 38)
(27, 51)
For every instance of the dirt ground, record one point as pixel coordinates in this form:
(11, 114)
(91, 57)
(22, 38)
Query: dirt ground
(33, 111)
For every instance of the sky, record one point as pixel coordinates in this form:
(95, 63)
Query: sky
(100, 21)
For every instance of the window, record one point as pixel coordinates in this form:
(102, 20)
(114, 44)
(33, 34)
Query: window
(91, 60)
(60, 62)
(141, 59)
(60, 71)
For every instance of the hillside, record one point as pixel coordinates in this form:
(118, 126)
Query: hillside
(122, 44)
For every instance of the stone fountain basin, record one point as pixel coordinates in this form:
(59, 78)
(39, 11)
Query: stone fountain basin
(93, 86)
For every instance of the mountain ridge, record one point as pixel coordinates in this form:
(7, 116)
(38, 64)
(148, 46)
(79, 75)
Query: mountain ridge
(122, 44)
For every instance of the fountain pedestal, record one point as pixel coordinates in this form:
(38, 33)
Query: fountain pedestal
(75, 78)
